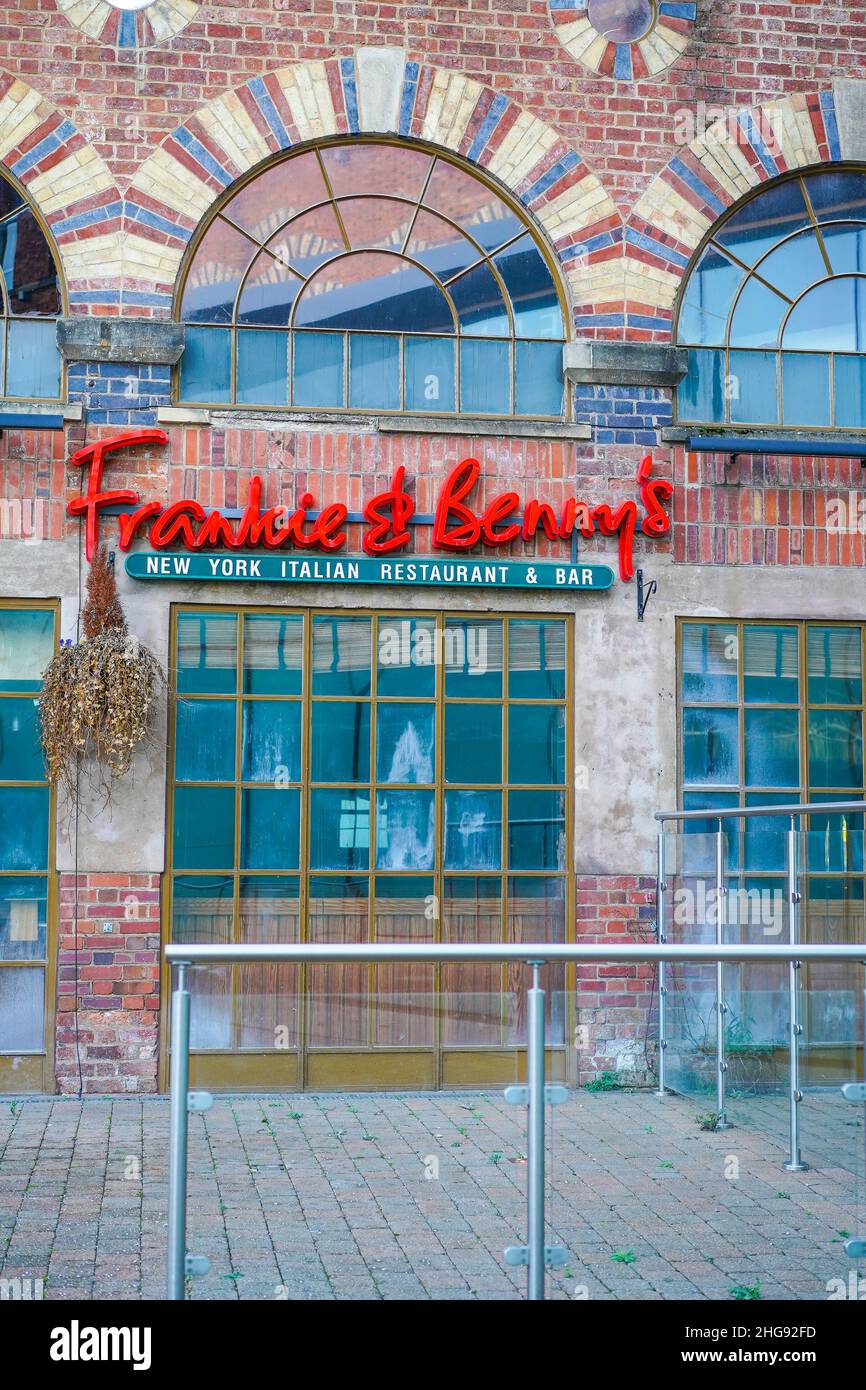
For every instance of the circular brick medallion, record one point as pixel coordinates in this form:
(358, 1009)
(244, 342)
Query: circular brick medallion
(130, 24)
(627, 40)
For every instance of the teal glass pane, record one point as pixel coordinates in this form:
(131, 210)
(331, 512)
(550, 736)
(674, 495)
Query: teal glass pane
(374, 371)
(26, 646)
(703, 319)
(340, 741)
(429, 372)
(753, 388)
(701, 393)
(539, 379)
(710, 751)
(273, 654)
(536, 830)
(269, 891)
(794, 265)
(270, 828)
(473, 830)
(405, 830)
(207, 653)
(23, 918)
(473, 743)
(709, 662)
(202, 912)
(702, 858)
(405, 743)
(805, 389)
(206, 365)
(536, 743)
(531, 290)
(772, 739)
(850, 392)
(830, 318)
(837, 193)
(485, 378)
(473, 658)
(755, 912)
(204, 827)
(371, 290)
(342, 655)
(204, 742)
(536, 659)
(836, 749)
(835, 661)
(339, 829)
(771, 665)
(775, 213)
(480, 306)
(757, 319)
(272, 741)
(845, 243)
(406, 656)
(20, 747)
(765, 838)
(33, 361)
(319, 375)
(24, 828)
(263, 368)
(22, 1010)
(834, 841)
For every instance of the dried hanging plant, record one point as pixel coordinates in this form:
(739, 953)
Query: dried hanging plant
(98, 695)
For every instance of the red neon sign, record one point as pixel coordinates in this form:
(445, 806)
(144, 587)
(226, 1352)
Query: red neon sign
(457, 525)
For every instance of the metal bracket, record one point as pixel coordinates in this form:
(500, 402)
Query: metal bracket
(855, 1092)
(197, 1101)
(519, 1095)
(644, 595)
(554, 1255)
(196, 1265)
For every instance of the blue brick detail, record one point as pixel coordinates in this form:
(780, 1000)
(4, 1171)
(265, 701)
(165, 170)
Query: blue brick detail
(64, 132)
(203, 156)
(655, 247)
(407, 101)
(87, 219)
(269, 111)
(119, 393)
(350, 92)
(136, 213)
(498, 107)
(556, 172)
(828, 110)
(703, 190)
(624, 414)
(128, 32)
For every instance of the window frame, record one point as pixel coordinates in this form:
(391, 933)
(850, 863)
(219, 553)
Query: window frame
(37, 1071)
(778, 352)
(529, 224)
(303, 1048)
(6, 318)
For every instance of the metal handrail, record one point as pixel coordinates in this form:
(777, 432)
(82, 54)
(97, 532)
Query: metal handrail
(534, 1095)
(804, 808)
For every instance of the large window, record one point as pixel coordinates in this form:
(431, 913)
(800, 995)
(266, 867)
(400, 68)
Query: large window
(348, 777)
(26, 647)
(30, 302)
(771, 715)
(774, 310)
(371, 276)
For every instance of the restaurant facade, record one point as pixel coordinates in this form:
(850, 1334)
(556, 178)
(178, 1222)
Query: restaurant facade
(556, 518)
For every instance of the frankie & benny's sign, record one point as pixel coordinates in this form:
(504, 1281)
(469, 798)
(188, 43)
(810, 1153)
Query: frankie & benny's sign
(457, 526)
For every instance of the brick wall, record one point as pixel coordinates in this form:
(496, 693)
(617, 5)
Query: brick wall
(615, 1003)
(114, 977)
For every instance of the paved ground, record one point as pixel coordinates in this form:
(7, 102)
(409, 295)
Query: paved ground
(415, 1196)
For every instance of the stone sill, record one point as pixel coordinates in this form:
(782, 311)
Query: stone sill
(475, 426)
(70, 411)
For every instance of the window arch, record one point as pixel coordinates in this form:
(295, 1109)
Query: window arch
(364, 275)
(30, 302)
(774, 309)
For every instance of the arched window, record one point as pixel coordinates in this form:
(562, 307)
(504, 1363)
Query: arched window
(364, 275)
(774, 309)
(30, 302)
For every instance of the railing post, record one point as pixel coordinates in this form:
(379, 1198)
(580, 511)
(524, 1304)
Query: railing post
(535, 1138)
(178, 1135)
(661, 919)
(721, 1005)
(794, 1163)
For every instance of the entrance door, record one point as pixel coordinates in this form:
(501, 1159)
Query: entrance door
(349, 777)
(27, 974)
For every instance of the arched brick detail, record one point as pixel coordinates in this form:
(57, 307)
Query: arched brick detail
(713, 171)
(68, 182)
(374, 92)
